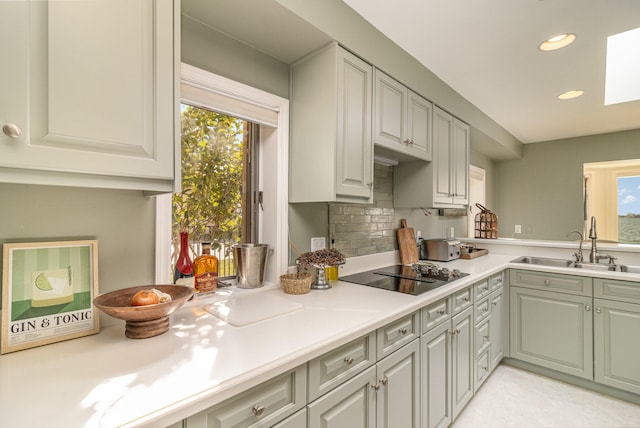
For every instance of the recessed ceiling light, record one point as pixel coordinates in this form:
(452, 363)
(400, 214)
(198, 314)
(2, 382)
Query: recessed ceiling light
(557, 42)
(570, 94)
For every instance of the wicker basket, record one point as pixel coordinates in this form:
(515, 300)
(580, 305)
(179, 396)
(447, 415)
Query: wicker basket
(296, 283)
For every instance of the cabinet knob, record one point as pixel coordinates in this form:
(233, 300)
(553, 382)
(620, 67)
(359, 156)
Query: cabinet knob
(598, 310)
(441, 312)
(348, 360)
(547, 281)
(375, 387)
(258, 411)
(587, 308)
(384, 381)
(403, 331)
(11, 130)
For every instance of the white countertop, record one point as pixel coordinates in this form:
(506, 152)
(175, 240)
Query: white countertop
(109, 380)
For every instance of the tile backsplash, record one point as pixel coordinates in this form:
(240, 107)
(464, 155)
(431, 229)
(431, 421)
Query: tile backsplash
(358, 229)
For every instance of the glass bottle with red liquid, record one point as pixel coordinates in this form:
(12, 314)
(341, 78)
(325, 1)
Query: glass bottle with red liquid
(184, 265)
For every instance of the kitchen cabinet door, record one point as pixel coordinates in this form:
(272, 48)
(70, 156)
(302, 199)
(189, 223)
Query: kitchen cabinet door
(616, 348)
(553, 330)
(419, 126)
(331, 148)
(442, 156)
(463, 360)
(496, 328)
(460, 163)
(398, 388)
(436, 377)
(402, 119)
(91, 86)
(352, 404)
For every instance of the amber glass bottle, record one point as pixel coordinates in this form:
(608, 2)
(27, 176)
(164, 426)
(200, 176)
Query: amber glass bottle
(205, 270)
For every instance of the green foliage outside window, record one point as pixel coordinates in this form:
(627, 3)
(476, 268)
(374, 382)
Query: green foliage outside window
(209, 207)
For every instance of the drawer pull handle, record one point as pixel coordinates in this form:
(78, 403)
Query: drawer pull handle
(547, 281)
(348, 360)
(403, 330)
(258, 411)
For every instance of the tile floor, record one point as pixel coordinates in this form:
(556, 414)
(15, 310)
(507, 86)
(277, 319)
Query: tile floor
(514, 398)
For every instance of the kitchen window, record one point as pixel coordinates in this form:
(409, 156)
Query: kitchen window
(268, 117)
(217, 202)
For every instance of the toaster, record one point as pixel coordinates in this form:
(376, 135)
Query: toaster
(442, 250)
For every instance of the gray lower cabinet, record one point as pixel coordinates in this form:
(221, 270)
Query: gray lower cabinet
(616, 327)
(489, 329)
(352, 404)
(447, 354)
(262, 406)
(398, 388)
(553, 330)
(384, 396)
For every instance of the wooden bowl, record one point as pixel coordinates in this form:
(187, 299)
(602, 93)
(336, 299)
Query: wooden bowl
(143, 321)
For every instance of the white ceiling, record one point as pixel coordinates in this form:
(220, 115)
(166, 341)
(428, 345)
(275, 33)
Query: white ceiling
(487, 51)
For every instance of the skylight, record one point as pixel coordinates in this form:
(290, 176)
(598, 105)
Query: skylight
(622, 83)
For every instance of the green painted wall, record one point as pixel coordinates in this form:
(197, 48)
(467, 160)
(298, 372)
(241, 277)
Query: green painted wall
(122, 222)
(205, 48)
(543, 190)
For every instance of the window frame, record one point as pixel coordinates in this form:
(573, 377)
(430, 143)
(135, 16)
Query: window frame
(274, 148)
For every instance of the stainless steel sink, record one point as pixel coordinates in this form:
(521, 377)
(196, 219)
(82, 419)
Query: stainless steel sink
(545, 261)
(629, 269)
(595, 266)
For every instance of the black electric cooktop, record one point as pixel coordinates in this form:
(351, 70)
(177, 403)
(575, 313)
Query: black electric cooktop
(404, 279)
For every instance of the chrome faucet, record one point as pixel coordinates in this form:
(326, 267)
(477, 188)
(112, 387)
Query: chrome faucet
(594, 256)
(577, 255)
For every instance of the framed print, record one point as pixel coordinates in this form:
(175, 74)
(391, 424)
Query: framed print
(47, 292)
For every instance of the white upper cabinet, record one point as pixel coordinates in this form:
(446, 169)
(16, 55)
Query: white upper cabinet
(89, 86)
(402, 119)
(331, 153)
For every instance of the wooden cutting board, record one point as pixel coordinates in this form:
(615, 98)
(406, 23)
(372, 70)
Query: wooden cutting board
(407, 244)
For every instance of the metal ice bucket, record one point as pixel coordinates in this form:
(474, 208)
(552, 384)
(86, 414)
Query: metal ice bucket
(250, 261)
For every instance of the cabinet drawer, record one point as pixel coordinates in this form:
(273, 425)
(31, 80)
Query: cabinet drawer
(496, 281)
(481, 289)
(612, 289)
(481, 310)
(397, 334)
(483, 341)
(461, 300)
(333, 368)
(580, 285)
(435, 314)
(264, 405)
(482, 370)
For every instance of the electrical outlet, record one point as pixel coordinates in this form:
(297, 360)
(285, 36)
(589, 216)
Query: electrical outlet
(318, 243)
(518, 228)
